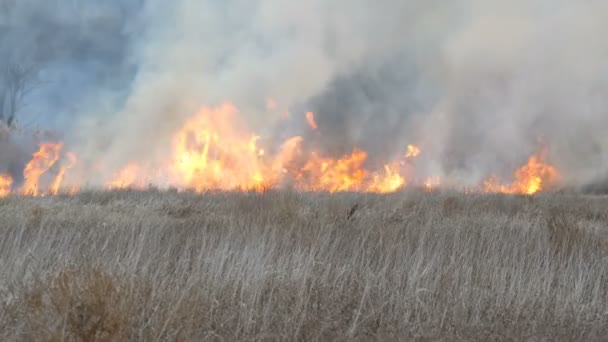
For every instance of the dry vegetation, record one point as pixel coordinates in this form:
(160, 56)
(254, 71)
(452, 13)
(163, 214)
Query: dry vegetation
(152, 265)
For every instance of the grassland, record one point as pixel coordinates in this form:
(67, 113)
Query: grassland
(168, 266)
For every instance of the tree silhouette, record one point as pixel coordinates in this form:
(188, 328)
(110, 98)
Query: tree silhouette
(17, 80)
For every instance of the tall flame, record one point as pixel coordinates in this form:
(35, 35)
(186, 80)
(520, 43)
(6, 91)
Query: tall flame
(41, 162)
(213, 151)
(6, 181)
(70, 163)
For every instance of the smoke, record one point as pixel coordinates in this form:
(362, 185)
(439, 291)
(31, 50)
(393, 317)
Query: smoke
(519, 72)
(479, 85)
(195, 53)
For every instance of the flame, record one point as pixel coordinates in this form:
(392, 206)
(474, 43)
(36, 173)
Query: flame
(41, 162)
(56, 184)
(214, 151)
(6, 181)
(412, 151)
(347, 174)
(129, 177)
(530, 178)
(390, 181)
(310, 118)
(327, 174)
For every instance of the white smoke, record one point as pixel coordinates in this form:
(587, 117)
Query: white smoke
(476, 83)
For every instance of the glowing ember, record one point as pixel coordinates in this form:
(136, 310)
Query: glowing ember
(6, 182)
(41, 162)
(310, 118)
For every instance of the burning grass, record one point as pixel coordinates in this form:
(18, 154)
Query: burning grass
(150, 265)
(214, 151)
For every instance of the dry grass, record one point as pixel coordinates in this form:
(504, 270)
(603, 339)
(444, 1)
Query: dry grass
(163, 266)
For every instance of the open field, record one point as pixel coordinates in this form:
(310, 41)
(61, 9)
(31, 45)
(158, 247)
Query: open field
(166, 266)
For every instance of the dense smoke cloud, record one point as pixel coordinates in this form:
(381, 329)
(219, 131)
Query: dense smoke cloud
(476, 83)
(69, 59)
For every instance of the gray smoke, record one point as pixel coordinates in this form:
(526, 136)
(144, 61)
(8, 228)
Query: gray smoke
(475, 83)
(76, 55)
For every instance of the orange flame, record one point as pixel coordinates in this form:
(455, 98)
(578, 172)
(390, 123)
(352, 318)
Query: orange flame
(530, 179)
(326, 174)
(56, 184)
(6, 181)
(129, 177)
(41, 162)
(347, 174)
(310, 118)
(412, 151)
(390, 181)
(213, 151)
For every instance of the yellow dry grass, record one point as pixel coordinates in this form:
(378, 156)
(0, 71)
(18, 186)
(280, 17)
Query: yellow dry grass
(167, 266)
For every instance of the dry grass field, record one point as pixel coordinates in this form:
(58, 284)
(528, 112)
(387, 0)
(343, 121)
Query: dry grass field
(167, 266)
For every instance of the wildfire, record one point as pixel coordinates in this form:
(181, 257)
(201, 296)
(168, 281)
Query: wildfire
(6, 182)
(213, 151)
(70, 163)
(327, 174)
(310, 118)
(412, 151)
(389, 181)
(41, 162)
(531, 178)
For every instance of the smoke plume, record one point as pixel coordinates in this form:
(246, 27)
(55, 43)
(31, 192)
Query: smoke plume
(478, 84)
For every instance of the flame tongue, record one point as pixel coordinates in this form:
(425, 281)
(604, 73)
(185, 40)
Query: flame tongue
(412, 151)
(70, 163)
(6, 182)
(128, 177)
(211, 152)
(389, 181)
(214, 151)
(530, 179)
(41, 162)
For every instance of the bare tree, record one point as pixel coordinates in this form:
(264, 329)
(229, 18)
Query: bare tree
(17, 80)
